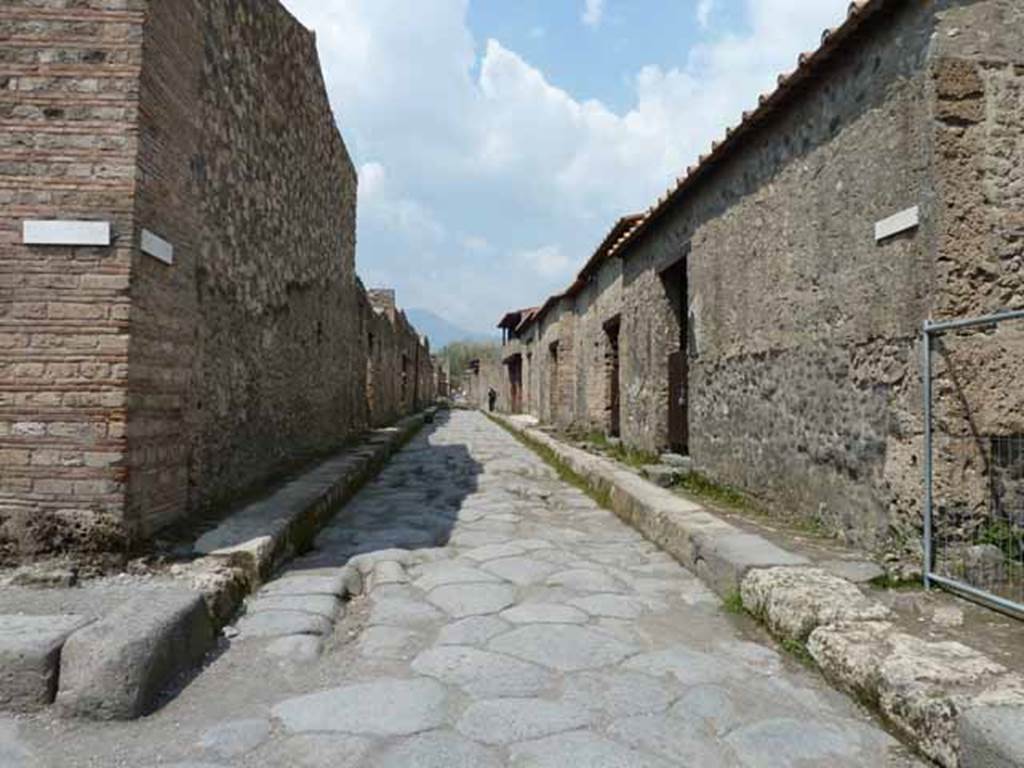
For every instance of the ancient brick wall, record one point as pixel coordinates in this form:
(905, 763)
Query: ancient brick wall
(134, 391)
(69, 100)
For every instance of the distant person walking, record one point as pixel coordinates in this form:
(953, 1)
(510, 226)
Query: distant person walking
(492, 399)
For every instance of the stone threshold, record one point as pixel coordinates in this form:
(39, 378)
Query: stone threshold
(954, 704)
(118, 657)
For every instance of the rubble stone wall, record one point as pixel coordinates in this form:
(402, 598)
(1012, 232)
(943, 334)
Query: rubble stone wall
(136, 392)
(804, 385)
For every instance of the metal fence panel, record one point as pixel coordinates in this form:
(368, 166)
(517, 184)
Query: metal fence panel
(974, 459)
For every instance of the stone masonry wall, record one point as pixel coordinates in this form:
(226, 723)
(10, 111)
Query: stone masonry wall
(133, 392)
(597, 304)
(241, 351)
(803, 369)
(977, 72)
(69, 101)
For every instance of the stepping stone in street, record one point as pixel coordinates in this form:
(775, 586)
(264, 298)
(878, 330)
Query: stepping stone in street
(385, 707)
(564, 647)
(461, 600)
(481, 673)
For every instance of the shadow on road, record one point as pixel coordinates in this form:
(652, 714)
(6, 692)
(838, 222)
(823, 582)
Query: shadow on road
(412, 504)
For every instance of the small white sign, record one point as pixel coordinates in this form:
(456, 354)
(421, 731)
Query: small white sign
(157, 247)
(56, 232)
(901, 222)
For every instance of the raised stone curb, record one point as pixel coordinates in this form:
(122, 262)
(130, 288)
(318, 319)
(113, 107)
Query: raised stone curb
(957, 706)
(720, 553)
(267, 532)
(30, 649)
(117, 667)
(793, 602)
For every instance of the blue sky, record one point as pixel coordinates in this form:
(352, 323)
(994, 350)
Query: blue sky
(497, 141)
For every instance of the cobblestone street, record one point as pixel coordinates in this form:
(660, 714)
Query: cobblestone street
(541, 632)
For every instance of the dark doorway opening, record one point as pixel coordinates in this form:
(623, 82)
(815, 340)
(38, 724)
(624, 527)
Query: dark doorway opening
(515, 382)
(677, 288)
(612, 372)
(553, 383)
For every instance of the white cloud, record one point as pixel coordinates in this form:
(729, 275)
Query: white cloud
(547, 262)
(382, 205)
(593, 12)
(454, 139)
(704, 9)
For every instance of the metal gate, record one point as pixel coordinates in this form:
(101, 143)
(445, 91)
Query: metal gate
(974, 459)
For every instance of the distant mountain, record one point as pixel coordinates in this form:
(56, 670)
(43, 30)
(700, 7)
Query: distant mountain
(442, 332)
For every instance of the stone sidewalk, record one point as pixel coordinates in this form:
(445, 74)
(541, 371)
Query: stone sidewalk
(506, 619)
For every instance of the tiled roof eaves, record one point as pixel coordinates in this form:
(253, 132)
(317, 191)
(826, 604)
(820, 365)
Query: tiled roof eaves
(808, 63)
(622, 228)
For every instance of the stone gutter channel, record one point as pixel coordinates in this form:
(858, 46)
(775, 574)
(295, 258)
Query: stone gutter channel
(115, 654)
(952, 703)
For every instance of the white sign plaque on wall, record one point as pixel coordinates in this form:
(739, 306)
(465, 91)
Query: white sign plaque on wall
(901, 222)
(57, 232)
(157, 247)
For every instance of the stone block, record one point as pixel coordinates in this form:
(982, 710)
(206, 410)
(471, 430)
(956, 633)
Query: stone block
(793, 602)
(920, 687)
(30, 658)
(117, 667)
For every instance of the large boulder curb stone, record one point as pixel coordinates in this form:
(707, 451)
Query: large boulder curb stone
(117, 667)
(793, 602)
(29, 658)
(920, 687)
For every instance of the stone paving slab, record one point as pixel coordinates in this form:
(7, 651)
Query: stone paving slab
(920, 686)
(548, 674)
